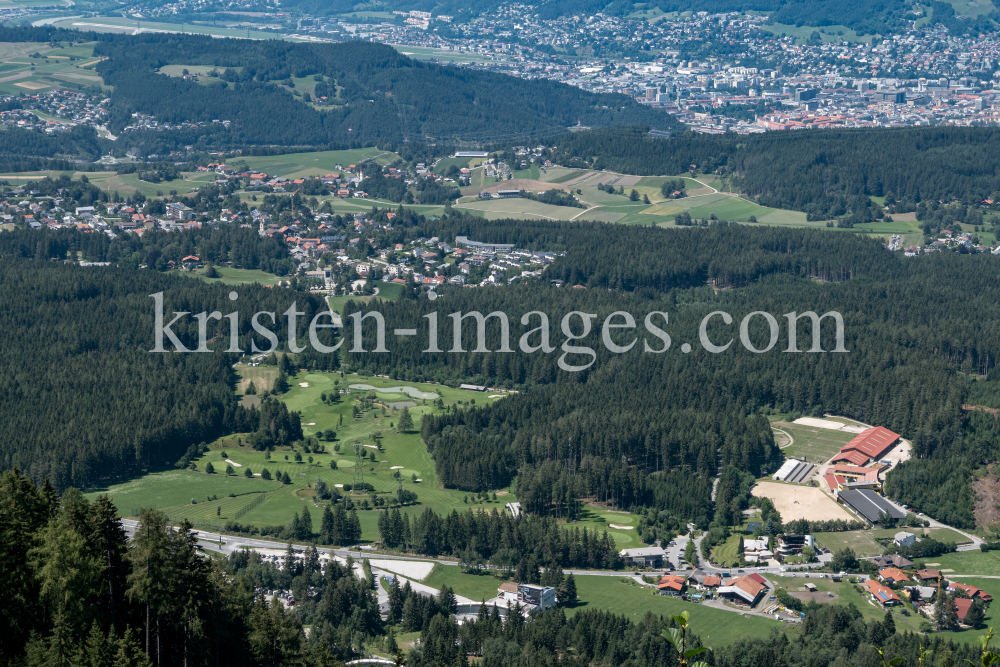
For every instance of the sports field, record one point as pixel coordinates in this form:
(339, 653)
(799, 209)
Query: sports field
(175, 488)
(796, 501)
(816, 445)
(172, 491)
(859, 541)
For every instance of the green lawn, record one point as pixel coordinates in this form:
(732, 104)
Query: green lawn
(969, 562)
(716, 627)
(860, 541)
(172, 491)
(518, 207)
(230, 276)
(294, 165)
(815, 444)
(177, 487)
(473, 586)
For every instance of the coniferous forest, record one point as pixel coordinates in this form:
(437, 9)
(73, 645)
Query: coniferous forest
(79, 594)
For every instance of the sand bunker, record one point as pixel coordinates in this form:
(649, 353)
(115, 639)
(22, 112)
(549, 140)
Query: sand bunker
(233, 463)
(619, 526)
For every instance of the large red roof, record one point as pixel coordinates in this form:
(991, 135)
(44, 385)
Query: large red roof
(872, 443)
(852, 455)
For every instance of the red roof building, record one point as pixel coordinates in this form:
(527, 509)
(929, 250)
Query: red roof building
(881, 594)
(870, 444)
(895, 575)
(962, 607)
(971, 591)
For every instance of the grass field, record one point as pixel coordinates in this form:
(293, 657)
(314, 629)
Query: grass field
(294, 165)
(814, 444)
(859, 541)
(716, 627)
(173, 490)
(59, 67)
(230, 276)
(176, 488)
(120, 25)
(517, 207)
(940, 534)
(473, 586)
(970, 562)
(830, 33)
(846, 594)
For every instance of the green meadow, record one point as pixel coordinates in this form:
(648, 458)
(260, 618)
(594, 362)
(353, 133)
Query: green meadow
(173, 491)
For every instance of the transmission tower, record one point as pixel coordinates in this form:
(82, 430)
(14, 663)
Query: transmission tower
(359, 466)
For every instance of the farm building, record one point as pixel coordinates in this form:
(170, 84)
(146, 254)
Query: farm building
(744, 590)
(869, 445)
(868, 504)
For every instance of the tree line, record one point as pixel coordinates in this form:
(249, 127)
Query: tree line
(829, 174)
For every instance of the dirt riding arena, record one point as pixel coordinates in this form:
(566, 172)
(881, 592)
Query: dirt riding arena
(815, 596)
(801, 502)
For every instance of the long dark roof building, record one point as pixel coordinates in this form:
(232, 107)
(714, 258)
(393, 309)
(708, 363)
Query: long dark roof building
(869, 504)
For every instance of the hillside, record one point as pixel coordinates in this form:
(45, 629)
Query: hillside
(373, 95)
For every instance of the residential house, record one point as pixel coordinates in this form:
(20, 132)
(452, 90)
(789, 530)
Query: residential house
(179, 211)
(882, 595)
(792, 545)
(892, 575)
(672, 584)
(904, 539)
(962, 607)
(756, 550)
(895, 560)
(971, 591)
(930, 575)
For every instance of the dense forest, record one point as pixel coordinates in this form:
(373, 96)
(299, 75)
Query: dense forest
(596, 434)
(381, 97)
(827, 174)
(77, 343)
(603, 433)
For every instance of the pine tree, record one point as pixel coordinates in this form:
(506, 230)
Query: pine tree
(570, 588)
(405, 421)
(209, 468)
